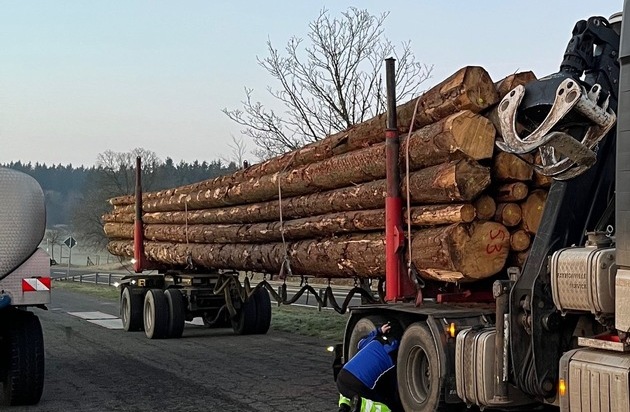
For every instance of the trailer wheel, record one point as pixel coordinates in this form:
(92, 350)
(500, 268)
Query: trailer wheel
(22, 351)
(245, 321)
(361, 329)
(155, 314)
(131, 310)
(418, 371)
(176, 313)
(263, 311)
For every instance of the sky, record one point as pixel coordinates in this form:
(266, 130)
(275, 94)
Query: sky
(78, 78)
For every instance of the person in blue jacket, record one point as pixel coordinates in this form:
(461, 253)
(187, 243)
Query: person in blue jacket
(371, 373)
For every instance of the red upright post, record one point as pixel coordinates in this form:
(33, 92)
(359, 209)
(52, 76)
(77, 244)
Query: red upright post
(138, 230)
(394, 237)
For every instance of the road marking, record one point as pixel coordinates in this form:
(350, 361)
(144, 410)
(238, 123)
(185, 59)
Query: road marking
(92, 315)
(108, 323)
(101, 319)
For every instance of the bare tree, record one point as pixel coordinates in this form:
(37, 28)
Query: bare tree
(238, 149)
(54, 237)
(329, 85)
(114, 175)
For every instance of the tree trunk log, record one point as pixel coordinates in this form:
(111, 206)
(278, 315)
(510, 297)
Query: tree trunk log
(533, 209)
(470, 88)
(429, 146)
(520, 240)
(311, 227)
(458, 181)
(486, 207)
(434, 215)
(512, 192)
(505, 85)
(508, 214)
(454, 253)
(509, 167)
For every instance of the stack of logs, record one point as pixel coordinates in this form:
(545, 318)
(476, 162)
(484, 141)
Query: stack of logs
(473, 210)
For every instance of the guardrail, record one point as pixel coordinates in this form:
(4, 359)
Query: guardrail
(109, 279)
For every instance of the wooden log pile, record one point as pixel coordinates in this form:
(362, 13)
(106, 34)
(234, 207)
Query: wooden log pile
(473, 209)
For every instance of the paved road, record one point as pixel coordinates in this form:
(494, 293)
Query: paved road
(92, 368)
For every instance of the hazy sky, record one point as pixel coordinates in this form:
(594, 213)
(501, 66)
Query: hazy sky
(81, 77)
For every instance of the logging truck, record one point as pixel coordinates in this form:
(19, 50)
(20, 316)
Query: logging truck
(24, 283)
(503, 261)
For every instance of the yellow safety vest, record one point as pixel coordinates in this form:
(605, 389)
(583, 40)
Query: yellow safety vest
(366, 405)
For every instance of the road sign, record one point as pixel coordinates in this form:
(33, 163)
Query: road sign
(70, 242)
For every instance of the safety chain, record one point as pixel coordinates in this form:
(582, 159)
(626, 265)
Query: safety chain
(229, 282)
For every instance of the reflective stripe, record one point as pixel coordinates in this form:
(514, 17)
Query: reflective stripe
(368, 405)
(344, 401)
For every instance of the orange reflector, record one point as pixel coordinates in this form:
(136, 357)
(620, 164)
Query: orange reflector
(562, 387)
(451, 330)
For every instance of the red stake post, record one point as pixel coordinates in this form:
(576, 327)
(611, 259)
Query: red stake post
(398, 285)
(138, 230)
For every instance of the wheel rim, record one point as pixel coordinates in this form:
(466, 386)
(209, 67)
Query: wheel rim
(148, 316)
(419, 374)
(125, 309)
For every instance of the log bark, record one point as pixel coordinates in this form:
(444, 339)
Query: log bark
(458, 181)
(448, 253)
(508, 214)
(435, 144)
(433, 215)
(509, 167)
(485, 207)
(505, 85)
(461, 135)
(312, 227)
(519, 240)
(533, 209)
(512, 192)
(470, 88)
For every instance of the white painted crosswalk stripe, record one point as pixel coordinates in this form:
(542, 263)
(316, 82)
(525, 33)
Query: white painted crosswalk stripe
(113, 322)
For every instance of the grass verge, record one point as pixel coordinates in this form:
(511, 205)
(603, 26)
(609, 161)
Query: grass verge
(327, 324)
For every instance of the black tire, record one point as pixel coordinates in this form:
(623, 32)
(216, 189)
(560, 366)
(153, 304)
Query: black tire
(418, 371)
(245, 321)
(263, 311)
(22, 352)
(155, 314)
(176, 313)
(131, 310)
(361, 329)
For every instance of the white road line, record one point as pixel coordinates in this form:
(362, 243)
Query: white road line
(108, 323)
(93, 315)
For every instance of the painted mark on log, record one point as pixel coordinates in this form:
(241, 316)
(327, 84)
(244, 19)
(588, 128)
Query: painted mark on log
(496, 234)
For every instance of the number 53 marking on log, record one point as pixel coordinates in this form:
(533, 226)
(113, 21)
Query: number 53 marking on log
(497, 234)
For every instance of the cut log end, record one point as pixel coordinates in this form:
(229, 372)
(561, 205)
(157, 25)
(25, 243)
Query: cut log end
(484, 250)
(485, 207)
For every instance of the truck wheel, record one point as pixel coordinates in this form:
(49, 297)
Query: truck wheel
(418, 371)
(263, 311)
(131, 310)
(361, 329)
(23, 357)
(155, 314)
(176, 313)
(245, 321)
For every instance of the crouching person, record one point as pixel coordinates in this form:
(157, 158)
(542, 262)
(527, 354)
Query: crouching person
(370, 376)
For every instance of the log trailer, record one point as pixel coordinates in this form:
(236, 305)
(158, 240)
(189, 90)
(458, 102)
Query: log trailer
(554, 332)
(24, 283)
